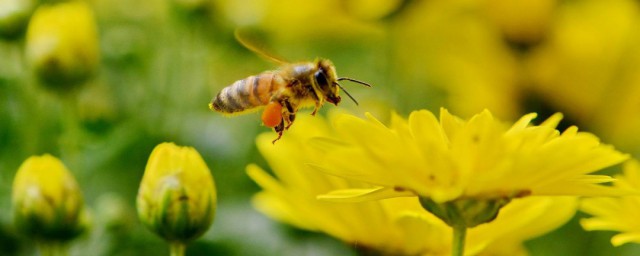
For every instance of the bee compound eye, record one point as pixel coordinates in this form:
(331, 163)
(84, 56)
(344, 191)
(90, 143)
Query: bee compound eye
(321, 79)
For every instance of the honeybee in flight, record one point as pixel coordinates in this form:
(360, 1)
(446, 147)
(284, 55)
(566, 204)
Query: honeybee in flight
(282, 91)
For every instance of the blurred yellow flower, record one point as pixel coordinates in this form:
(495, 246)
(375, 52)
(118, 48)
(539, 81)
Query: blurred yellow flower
(290, 20)
(396, 226)
(581, 58)
(450, 158)
(588, 67)
(47, 202)
(454, 47)
(177, 195)
(372, 9)
(617, 214)
(14, 16)
(524, 21)
(62, 43)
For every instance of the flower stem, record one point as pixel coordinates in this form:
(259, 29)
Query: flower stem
(459, 234)
(176, 249)
(70, 142)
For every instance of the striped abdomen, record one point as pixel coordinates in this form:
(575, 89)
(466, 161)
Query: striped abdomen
(247, 93)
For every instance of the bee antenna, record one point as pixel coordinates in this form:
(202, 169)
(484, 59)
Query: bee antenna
(347, 93)
(353, 80)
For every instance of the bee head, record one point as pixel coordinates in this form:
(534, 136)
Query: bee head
(327, 81)
(325, 77)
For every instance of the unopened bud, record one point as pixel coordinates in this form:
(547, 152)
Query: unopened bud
(62, 44)
(47, 202)
(177, 195)
(14, 16)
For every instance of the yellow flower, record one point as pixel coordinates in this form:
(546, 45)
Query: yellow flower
(62, 43)
(47, 202)
(617, 214)
(450, 158)
(292, 198)
(396, 226)
(177, 195)
(464, 172)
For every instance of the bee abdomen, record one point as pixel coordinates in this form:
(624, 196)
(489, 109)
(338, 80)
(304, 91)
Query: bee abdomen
(244, 94)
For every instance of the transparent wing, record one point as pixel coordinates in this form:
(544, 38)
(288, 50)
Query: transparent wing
(241, 36)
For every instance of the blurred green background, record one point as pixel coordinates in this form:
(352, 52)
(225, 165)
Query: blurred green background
(162, 61)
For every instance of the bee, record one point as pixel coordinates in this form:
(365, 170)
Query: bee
(283, 91)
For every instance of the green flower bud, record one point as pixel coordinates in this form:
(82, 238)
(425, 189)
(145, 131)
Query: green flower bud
(467, 213)
(14, 16)
(47, 202)
(62, 44)
(177, 195)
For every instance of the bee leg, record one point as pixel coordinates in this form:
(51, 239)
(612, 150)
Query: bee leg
(292, 117)
(315, 110)
(288, 113)
(279, 129)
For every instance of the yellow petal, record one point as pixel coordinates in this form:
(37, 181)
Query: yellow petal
(553, 121)
(363, 194)
(424, 232)
(523, 122)
(450, 124)
(427, 132)
(598, 224)
(624, 238)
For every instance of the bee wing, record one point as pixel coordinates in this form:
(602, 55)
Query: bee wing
(260, 52)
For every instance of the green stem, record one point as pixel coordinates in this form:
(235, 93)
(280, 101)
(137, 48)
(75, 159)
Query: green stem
(459, 234)
(176, 249)
(70, 144)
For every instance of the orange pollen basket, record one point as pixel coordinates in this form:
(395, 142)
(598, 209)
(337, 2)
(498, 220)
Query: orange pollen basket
(272, 115)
